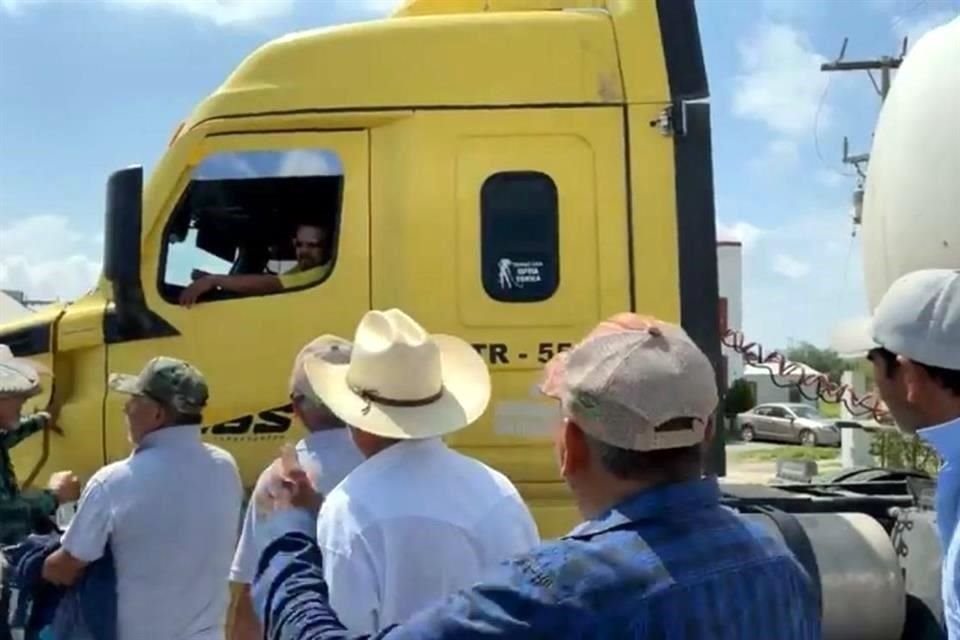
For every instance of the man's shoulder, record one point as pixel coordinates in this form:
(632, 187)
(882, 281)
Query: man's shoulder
(111, 474)
(220, 455)
(477, 469)
(571, 568)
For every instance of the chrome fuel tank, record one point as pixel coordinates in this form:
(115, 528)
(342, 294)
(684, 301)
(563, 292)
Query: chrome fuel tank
(864, 596)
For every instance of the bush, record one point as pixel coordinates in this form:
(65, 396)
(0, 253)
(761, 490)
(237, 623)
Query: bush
(897, 450)
(739, 398)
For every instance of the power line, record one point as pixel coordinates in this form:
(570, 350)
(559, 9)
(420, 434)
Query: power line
(816, 132)
(885, 64)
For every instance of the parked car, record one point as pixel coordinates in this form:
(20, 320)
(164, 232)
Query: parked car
(788, 422)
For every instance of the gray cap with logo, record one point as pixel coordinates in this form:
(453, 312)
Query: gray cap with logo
(168, 381)
(629, 378)
(917, 318)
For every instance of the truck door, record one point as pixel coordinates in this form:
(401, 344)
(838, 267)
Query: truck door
(234, 207)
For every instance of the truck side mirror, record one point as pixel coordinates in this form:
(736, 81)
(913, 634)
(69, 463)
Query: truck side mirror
(121, 260)
(131, 320)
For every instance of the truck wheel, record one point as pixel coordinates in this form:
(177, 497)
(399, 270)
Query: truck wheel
(746, 433)
(808, 438)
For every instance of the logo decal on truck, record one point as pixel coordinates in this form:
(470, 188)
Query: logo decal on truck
(514, 274)
(272, 423)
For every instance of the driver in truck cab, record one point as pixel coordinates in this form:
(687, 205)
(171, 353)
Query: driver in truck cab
(311, 242)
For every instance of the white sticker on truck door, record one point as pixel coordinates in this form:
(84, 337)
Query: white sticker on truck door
(516, 274)
(521, 419)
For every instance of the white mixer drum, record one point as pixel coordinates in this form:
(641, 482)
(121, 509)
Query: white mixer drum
(911, 207)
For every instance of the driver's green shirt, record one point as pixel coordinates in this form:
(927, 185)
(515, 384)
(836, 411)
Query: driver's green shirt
(295, 277)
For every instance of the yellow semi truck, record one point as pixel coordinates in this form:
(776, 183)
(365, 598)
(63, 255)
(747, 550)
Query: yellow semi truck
(510, 171)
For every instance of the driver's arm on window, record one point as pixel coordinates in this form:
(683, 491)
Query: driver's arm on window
(247, 284)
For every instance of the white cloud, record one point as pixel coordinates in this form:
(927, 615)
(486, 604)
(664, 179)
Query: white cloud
(46, 257)
(802, 278)
(220, 12)
(232, 12)
(790, 267)
(791, 9)
(780, 83)
(742, 232)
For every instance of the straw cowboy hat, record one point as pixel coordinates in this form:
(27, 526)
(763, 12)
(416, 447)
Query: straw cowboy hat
(19, 376)
(402, 382)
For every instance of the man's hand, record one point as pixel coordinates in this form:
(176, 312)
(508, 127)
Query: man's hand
(286, 485)
(297, 492)
(65, 486)
(48, 422)
(199, 287)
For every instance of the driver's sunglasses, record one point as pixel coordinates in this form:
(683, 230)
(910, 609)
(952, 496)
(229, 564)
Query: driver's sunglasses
(306, 245)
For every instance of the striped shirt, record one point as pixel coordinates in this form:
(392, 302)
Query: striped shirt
(670, 562)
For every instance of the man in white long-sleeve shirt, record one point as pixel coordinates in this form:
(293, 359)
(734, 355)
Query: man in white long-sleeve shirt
(416, 521)
(327, 454)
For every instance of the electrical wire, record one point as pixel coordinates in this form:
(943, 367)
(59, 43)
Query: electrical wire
(816, 132)
(867, 405)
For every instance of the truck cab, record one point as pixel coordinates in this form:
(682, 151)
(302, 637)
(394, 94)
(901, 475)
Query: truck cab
(509, 171)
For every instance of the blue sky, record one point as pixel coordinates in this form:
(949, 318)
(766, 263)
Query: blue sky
(88, 86)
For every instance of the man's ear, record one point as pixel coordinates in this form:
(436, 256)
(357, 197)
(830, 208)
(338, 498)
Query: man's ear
(576, 455)
(915, 380)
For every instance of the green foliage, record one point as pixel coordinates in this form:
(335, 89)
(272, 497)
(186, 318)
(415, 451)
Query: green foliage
(739, 398)
(825, 361)
(897, 450)
(829, 409)
(788, 452)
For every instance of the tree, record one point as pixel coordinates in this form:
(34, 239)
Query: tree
(739, 398)
(826, 361)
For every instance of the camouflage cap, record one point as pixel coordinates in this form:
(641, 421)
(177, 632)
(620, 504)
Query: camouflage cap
(171, 382)
(631, 376)
(19, 377)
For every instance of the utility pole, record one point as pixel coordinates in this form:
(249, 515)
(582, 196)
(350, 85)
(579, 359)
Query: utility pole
(885, 64)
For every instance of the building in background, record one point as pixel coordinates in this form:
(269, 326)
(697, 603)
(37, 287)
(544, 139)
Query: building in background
(730, 281)
(12, 306)
(768, 387)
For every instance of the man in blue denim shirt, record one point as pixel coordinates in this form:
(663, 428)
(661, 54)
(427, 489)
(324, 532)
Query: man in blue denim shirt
(657, 556)
(914, 345)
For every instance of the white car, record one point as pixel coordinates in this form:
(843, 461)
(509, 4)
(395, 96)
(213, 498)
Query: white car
(788, 422)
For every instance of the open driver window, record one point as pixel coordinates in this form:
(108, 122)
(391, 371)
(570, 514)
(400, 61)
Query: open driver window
(267, 213)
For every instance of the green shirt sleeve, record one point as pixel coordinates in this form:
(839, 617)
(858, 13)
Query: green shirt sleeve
(27, 427)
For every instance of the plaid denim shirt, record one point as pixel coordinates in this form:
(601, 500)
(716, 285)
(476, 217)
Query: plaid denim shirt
(669, 563)
(20, 511)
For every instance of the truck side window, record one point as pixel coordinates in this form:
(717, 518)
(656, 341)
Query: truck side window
(241, 215)
(519, 236)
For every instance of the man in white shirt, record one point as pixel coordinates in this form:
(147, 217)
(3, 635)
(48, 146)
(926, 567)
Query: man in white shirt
(913, 342)
(327, 454)
(416, 521)
(168, 512)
